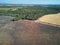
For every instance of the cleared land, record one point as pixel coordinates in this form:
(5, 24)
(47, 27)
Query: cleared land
(27, 32)
(51, 18)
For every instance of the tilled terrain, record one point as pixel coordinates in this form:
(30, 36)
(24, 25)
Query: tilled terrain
(26, 32)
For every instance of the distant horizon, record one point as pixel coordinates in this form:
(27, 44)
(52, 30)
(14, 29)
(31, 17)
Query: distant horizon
(30, 2)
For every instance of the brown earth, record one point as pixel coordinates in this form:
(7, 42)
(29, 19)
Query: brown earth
(32, 33)
(26, 32)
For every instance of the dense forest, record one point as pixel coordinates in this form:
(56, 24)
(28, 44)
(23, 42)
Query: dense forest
(28, 12)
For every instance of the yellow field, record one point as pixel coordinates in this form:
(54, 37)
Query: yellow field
(51, 18)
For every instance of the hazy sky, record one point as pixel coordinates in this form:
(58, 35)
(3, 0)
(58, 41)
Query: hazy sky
(31, 1)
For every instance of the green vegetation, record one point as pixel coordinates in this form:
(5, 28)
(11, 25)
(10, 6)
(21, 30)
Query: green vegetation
(28, 12)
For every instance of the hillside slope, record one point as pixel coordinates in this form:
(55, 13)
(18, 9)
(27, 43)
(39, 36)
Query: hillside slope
(27, 32)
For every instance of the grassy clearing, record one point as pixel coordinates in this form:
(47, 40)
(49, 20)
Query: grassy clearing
(51, 18)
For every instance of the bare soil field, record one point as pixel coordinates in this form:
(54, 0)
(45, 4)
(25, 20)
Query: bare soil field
(28, 32)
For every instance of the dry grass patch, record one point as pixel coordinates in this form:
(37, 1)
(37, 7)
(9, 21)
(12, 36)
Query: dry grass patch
(51, 18)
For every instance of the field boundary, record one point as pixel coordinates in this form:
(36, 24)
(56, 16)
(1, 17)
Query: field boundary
(48, 23)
